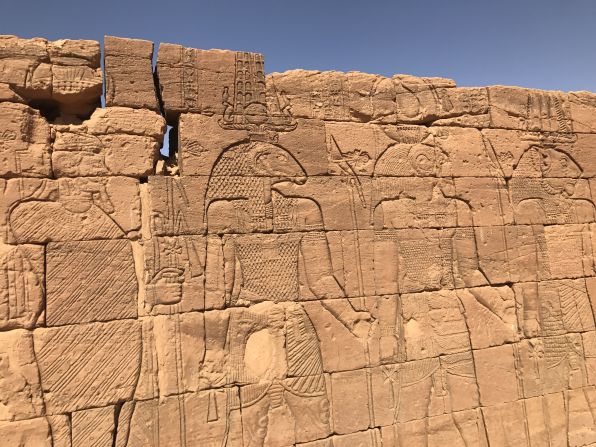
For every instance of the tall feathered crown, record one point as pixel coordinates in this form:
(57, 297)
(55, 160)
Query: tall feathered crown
(245, 103)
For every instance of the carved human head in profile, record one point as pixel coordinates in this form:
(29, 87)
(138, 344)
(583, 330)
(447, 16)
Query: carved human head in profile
(552, 167)
(241, 168)
(422, 159)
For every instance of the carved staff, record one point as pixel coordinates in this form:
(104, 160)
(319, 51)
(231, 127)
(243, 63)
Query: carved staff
(354, 183)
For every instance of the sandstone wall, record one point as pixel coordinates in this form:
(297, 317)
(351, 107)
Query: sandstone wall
(324, 259)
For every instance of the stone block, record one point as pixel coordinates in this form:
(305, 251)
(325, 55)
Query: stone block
(65, 72)
(20, 388)
(496, 373)
(129, 73)
(90, 281)
(28, 433)
(174, 268)
(193, 80)
(40, 211)
(95, 426)
(173, 353)
(206, 418)
(175, 205)
(88, 365)
(114, 141)
(350, 403)
(24, 142)
(22, 270)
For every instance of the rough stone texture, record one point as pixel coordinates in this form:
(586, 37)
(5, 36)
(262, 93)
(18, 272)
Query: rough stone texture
(24, 142)
(19, 385)
(28, 433)
(94, 427)
(129, 73)
(64, 73)
(324, 260)
(21, 286)
(90, 281)
(88, 365)
(192, 80)
(81, 208)
(114, 141)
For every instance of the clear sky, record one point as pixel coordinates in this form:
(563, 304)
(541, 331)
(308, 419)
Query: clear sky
(548, 44)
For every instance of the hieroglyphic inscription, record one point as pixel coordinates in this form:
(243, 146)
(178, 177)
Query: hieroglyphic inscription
(327, 260)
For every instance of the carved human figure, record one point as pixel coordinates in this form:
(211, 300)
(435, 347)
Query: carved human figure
(173, 268)
(21, 289)
(269, 236)
(542, 191)
(424, 242)
(80, 211)
(554, 312)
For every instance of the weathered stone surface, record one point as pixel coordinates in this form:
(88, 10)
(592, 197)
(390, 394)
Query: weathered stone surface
(346, 149)
(350, 401)
(532, 110)
(582, 107)
(127, 121)
(174, 274)
(173, 350)
(207, 418)
(362, 97)
(497, 381)
(90, 281)
(129, 73)
(565, 155)
(325, 259)
(39, 211)
(19, 377)
(29, 433)
(61, 430)
(201, 142)
(65, 72)
(21, 286)
(174, 205)
(88, 365)
(93, 427)
(192, 80)
(24, 142)
(405, 99)
(335, 96)
(114, 141)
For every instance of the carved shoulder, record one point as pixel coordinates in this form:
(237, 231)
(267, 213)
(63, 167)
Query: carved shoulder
(529, 212)
(310, 213)
(585, 211)
(221, 216)
(465, 217)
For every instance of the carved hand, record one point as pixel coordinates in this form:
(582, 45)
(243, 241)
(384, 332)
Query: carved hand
(359, 324)
(166, 287)
(388, 348)
(531, 327)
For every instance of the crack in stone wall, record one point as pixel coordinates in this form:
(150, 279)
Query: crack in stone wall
(323, 259)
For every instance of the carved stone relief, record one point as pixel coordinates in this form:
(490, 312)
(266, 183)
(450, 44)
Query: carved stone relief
(327, 260)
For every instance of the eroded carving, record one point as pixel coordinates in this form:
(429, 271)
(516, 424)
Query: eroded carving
(39, 211)
(329, 259)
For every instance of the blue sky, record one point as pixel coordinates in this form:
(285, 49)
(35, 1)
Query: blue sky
(548, 44)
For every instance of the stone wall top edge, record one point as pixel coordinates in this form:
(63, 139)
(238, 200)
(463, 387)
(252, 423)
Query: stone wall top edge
(435, 80)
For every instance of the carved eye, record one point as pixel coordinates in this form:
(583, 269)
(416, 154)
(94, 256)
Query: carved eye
(423, 161)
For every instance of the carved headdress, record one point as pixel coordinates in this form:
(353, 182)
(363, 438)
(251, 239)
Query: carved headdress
(246, 108)
(415, 153)
(544, 161)
(241, 170)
